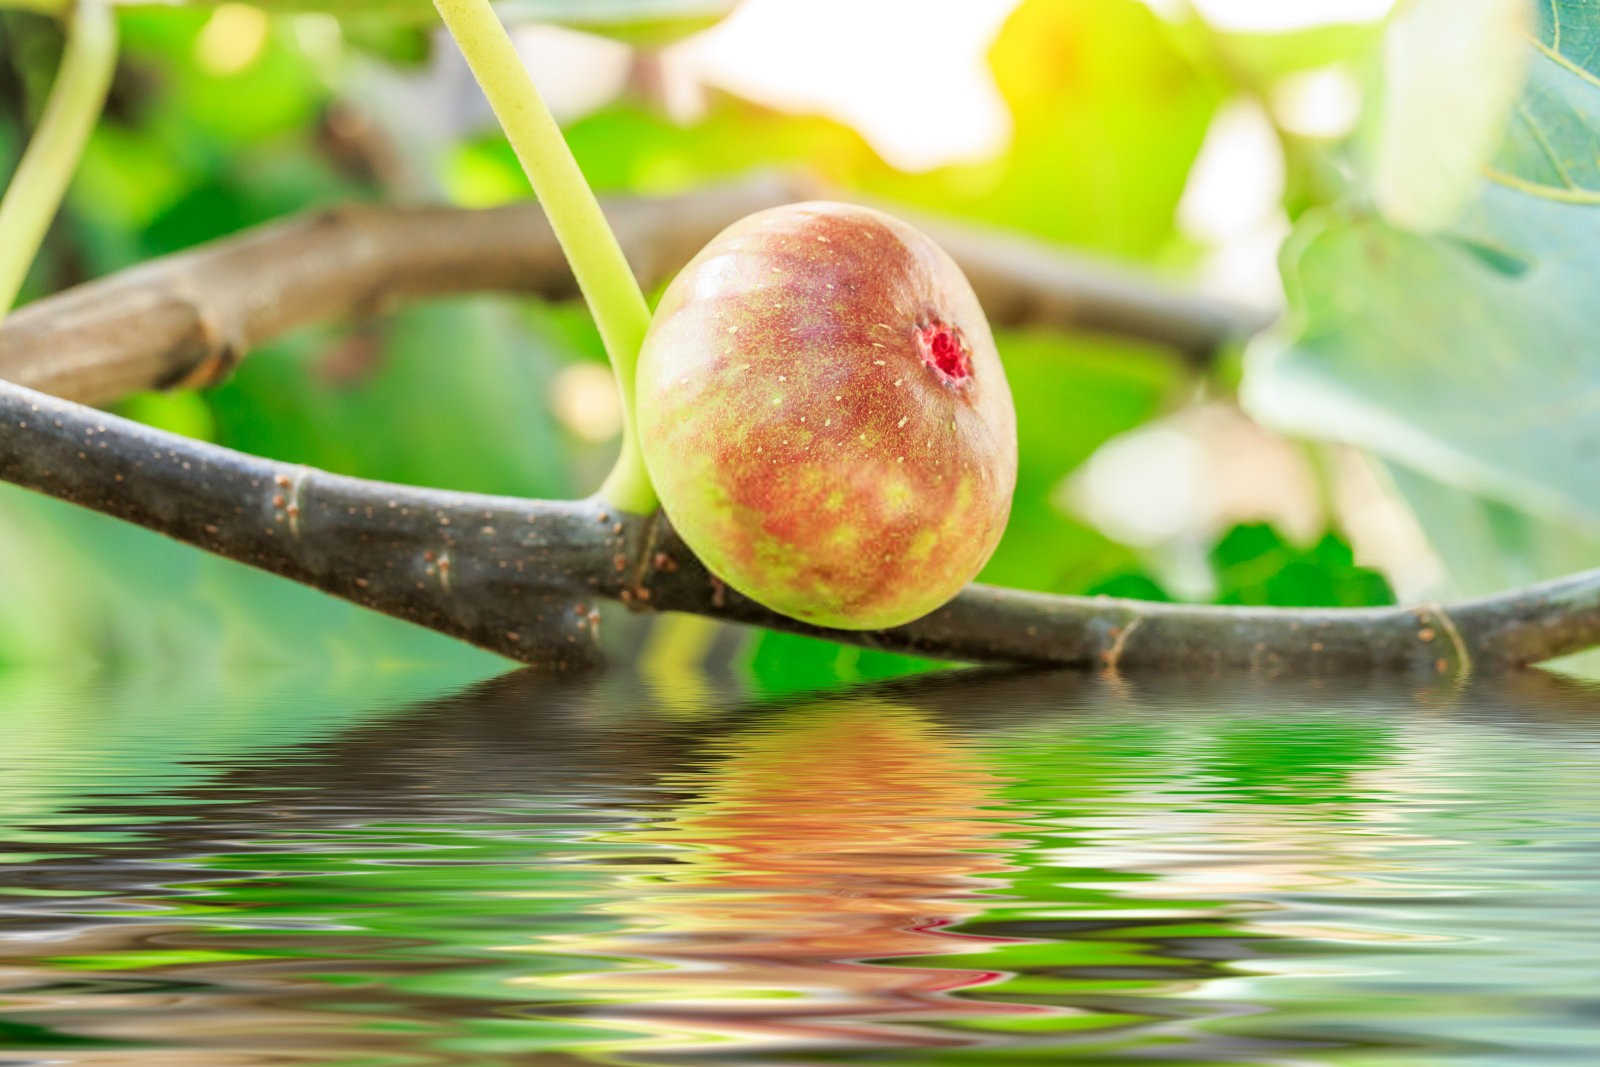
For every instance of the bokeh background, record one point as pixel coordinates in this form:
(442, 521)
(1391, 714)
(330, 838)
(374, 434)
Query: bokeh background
(1181, 139)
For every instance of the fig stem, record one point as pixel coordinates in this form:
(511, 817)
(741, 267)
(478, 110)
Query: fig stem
(35, 191)
(602, 272)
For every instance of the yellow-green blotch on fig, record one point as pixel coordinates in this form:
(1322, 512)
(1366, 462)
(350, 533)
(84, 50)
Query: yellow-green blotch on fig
(825, 417)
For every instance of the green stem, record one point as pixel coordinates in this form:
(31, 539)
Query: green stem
(36, 189)
(591, 248)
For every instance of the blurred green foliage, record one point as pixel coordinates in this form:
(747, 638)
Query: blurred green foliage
(1108, 105)
(638, 21)
(412, 398)
(1107, 110)
(1254, 564)
(1465, 357)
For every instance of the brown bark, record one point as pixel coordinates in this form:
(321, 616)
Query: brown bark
(188, 318)
(522, 577)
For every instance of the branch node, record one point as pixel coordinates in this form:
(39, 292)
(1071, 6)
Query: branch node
(645, 553)
(287, 501)
(1119, 634)
(221, 350)
(1458, 646)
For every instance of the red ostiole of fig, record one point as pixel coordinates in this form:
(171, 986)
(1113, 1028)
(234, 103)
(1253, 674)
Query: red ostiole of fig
(943, 350)
(825, 417)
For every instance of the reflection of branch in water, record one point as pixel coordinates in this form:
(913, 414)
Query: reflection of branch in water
(404, 855)
(850, 832)
(604, 734)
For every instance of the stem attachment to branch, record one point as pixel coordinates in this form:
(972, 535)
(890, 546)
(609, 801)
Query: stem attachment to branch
(36, 189)
(602, 271)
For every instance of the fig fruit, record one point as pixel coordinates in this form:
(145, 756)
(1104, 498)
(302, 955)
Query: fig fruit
(823, 413)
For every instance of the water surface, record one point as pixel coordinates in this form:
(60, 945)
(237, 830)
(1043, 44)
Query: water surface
(970, 869)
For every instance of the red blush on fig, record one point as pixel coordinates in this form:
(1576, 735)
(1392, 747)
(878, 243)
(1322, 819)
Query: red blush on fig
(943, 350)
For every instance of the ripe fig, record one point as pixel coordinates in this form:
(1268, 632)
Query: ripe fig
(825, 418)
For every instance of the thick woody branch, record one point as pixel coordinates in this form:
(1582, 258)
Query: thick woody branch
(189, 318)
(521, 577)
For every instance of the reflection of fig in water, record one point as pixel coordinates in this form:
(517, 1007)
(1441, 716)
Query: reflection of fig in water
(852, 832)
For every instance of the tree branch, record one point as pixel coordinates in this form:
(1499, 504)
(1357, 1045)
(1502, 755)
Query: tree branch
(521, 577)
(187, 319)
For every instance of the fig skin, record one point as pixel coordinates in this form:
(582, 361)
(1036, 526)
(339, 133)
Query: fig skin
(825, 417)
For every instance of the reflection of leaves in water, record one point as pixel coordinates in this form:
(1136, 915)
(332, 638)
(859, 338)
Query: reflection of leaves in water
(1126, 884)
(539, 866)
(157, 735)
(783, 664)
(1296, 761)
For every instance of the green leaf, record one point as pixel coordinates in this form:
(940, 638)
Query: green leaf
(1464, 59)
(1467, 355)
(1553, 144)
(1254, 565)
(1487, 546)
(1130, 585)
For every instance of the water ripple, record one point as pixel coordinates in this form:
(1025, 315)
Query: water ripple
(1036, 868)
